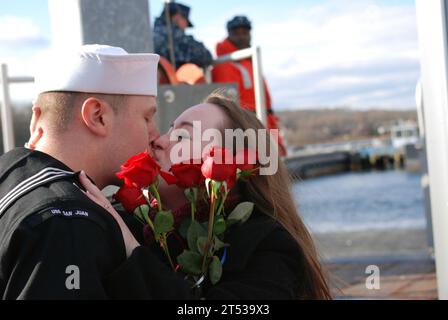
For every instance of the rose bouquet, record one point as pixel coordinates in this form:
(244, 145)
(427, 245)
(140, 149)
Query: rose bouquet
(206, 182)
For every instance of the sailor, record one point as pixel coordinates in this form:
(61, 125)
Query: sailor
(239, 30)
(186, 48)
(96, 108)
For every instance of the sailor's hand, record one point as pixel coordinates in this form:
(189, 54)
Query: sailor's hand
(97, 196)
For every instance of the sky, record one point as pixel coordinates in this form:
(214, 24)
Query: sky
(360, 54)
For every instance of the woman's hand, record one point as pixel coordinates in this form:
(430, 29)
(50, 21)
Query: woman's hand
(95, 195)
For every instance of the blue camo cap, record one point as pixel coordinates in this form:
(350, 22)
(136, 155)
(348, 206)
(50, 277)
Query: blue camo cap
(239, 21)
(175, 7)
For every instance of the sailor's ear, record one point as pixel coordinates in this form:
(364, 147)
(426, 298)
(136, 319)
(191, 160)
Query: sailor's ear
(35, 118)
(96, 115)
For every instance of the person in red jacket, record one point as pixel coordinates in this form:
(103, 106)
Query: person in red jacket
(241, 72)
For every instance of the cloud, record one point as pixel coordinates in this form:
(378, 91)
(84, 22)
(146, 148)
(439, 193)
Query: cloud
(330, 53)
(343, 53)
(18, 31)
(21, 44)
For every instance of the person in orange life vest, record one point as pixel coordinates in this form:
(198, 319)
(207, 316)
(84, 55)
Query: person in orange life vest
(241, 72)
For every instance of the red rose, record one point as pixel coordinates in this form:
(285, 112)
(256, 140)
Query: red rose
(140, 171)
(188, 175)
(168, 177)
(130, 198)
(219, 166)
(246, 159)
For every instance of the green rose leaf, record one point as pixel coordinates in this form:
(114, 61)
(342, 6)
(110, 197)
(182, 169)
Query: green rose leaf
(246, 174)
(241, 213)
(201, 243)
(183, 227)
(215, 270)
(224, 184)
(218, 244)
(163, 222)
(190, 262)
(216, 185)
(141, 212)
(194, 232)
(191, 194)
(205, 225)
(220, 226)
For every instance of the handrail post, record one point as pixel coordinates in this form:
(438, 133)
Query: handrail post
(260, 97)
(6, 112)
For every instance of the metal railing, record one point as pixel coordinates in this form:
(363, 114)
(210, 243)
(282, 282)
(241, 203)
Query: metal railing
(255, 54)
(6, 110)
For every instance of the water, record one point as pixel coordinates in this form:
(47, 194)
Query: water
(361, 201)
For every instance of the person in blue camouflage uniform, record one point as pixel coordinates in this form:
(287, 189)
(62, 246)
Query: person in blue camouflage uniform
(186, 48)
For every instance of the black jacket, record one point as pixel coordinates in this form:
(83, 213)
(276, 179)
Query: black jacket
(263, 262)
(48, 227)
(55, 243)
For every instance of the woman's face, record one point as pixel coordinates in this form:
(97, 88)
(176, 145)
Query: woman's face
(181, 135)
(209, 116)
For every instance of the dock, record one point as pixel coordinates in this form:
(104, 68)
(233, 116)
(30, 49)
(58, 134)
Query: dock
(323, 159)
(408, 278)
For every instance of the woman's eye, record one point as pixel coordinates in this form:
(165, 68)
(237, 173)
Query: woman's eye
(182, 137)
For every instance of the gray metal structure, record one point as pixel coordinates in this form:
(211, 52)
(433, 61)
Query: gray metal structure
(122, 23)
(424, 165)
(432, 22)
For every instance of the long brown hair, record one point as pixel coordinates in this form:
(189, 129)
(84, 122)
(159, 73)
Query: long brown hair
(272, 196)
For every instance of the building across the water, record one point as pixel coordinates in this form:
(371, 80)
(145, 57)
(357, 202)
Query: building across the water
(405, 133)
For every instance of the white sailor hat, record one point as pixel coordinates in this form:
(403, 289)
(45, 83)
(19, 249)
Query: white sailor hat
(99, 69)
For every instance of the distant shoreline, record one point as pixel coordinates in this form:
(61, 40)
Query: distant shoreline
(371, 243)
(327, 125)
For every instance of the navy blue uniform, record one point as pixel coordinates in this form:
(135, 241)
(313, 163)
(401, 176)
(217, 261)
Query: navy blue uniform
(55, 243)
(186, 48)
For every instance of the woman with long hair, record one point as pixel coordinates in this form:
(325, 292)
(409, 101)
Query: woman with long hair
(271, 256)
